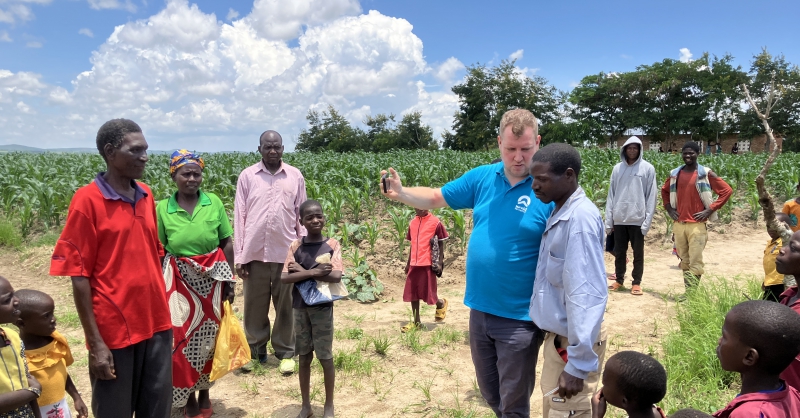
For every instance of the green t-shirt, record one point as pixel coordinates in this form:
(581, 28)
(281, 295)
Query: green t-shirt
(187, 235)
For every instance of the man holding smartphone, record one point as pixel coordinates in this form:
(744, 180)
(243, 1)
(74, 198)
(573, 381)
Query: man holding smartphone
(508, 225)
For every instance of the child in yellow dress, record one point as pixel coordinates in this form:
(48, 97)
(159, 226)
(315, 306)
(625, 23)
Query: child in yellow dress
(48, 355)
(18, 389)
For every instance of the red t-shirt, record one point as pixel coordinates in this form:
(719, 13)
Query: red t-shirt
(780, 404)
(792, 373)
(420, 232)
(689, 201)
(114, 243)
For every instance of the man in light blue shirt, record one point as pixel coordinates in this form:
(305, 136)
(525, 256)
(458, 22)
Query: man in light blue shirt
(503, 250)
(569, 293)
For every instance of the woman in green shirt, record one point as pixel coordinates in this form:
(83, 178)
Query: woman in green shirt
(194, 229)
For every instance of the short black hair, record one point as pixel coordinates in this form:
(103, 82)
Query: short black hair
(689, 413)
(310, 203)
(113, 132)
(560, 157)
(641, 378)
(30, 299)
(691, 144)
(771, 329)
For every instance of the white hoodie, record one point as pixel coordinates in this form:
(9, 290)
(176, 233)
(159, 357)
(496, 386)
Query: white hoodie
(631, 192)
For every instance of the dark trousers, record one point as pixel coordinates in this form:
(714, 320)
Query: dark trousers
(624, 234)
(504, 352)
(144, 381)
(773, 292)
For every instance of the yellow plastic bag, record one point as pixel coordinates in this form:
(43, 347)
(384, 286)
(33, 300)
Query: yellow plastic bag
(231, 351)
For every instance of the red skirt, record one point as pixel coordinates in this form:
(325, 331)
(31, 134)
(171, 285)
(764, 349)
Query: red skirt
(420, 285)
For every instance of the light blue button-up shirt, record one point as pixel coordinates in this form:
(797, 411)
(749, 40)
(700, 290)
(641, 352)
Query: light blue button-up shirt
(569, 293)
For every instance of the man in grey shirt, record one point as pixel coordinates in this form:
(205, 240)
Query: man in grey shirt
(569, 293)
(630, 206)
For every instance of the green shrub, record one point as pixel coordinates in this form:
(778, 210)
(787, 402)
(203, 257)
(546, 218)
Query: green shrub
(695, 378)
(362, 283)
(9, 236)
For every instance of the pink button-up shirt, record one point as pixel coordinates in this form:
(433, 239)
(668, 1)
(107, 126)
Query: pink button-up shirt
(267, 213)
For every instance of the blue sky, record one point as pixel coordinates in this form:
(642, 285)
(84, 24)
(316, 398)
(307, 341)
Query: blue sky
(213, 74)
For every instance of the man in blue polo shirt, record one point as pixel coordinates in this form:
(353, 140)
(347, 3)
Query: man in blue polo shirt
(503, 249)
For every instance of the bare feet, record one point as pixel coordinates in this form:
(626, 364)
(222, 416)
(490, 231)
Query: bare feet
(305, 412)
(328, 411)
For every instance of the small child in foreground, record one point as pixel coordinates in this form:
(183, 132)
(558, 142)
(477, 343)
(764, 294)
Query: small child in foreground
(773, 280)
(423, 257)
(313, 325)
(634, 382)
(48, 355)
(759, 340)
(18, 389)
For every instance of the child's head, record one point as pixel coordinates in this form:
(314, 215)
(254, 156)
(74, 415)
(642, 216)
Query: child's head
(311, 216)
(421, 212)
(781, 218)
(36, 313)
(788, 259)
(759, 335)
(9, 304)
(689, 413)
(634, 381)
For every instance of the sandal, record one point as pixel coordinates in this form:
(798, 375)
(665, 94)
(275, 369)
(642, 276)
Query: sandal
(612, 277)
(410, 326)
(636, 290)
(207, 412)
(441, 313)
(614, 286)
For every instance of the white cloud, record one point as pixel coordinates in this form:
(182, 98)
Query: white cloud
(14, 12)
(86, 32)
(185, 76)
(22, 107)
(686, 55)
(516, 55)
(447, 70)
(33, 44)
(283, 20)
(4, 36)
(232, 14)
(112, 4)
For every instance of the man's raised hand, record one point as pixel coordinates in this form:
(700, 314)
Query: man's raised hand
(393, 184)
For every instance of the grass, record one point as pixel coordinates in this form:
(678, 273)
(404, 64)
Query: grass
(9, 236)
(413, 341)
(349, 333)
(446, 335)
(696, 379)
(353, 361)
(68, 319)
(381, 344)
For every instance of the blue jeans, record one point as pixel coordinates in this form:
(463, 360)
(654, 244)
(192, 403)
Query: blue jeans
(504, 352)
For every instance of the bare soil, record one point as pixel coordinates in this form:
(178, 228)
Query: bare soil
(440, 380)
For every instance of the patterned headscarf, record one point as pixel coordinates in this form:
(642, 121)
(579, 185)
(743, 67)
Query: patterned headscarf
(182, 157)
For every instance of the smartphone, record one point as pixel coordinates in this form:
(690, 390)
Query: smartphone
(383, 181)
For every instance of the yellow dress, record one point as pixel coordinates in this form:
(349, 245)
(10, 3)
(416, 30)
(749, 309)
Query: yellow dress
(48, 364)
(13, 371)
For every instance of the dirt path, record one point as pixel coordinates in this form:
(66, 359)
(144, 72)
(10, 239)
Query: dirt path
(439, 379)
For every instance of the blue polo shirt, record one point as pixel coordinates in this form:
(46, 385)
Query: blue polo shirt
(508, 223)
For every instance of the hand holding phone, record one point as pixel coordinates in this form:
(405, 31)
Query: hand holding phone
(385, 184)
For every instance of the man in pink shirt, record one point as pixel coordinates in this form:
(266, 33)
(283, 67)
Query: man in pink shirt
(267, 220)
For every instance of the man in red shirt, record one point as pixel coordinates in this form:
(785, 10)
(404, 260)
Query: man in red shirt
(110, 249)
(687, 196)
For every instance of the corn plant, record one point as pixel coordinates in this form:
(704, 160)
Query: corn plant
(373, 232)
(400, 218)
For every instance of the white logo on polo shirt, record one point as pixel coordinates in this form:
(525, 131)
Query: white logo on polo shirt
(522, 203)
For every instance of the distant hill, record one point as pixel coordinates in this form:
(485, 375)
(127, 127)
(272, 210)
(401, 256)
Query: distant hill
(23, 148)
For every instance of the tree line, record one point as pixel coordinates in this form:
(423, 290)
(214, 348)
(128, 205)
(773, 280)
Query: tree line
(700, 97)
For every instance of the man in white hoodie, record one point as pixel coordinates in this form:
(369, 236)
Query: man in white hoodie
(630, 206)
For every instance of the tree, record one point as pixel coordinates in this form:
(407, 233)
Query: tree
(330, 131)
(767, 71)
(604, 103)
(486, 94)
(413, 134)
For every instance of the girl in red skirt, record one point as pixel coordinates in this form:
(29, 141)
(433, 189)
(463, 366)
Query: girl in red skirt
(425, 262)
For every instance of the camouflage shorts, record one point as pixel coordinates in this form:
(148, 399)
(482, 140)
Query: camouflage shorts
(313, 329)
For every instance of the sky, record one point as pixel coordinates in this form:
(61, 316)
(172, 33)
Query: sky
(211, 76)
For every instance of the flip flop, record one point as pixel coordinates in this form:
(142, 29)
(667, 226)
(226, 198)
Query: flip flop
(612, 277)
(636, 290)
(409, 326)
(614, 286)
(207, 412)
(441, 313)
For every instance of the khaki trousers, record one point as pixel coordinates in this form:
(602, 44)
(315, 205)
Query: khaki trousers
(580, 405)
(690, 241)
(264, 284)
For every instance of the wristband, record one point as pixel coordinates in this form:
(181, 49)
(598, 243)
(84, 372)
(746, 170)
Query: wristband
(36, 391)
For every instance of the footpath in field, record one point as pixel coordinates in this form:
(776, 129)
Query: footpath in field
(428, 373)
